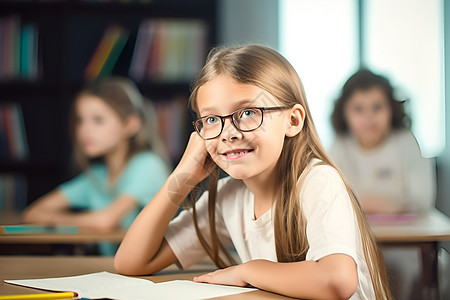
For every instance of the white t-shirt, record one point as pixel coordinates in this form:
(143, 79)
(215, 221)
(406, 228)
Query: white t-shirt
(395, 170)
(331, 224)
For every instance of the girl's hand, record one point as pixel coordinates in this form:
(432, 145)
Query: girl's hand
(196, 164)
(228, 276)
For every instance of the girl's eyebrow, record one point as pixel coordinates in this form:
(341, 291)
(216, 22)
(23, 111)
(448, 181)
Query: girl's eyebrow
(239, 104)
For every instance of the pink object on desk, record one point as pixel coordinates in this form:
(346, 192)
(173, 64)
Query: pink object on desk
(391, 219)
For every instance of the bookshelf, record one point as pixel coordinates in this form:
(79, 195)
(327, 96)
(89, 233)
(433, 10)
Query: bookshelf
(57, 42)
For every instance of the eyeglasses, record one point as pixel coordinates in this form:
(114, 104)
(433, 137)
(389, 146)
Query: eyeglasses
(244, 119)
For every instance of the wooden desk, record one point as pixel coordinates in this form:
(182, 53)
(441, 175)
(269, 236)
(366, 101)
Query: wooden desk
(30, 267)
(85, 236)
(433, 227)
(34, 244)
(426, 233)
(45, 243)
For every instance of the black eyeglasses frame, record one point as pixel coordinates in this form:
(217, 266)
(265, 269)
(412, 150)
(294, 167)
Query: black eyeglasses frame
(222, 119)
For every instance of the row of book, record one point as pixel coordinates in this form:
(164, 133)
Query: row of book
(165, 50)
(13, 193)
(171, 124)
(19, 49)
(13, 139)
(168, 50)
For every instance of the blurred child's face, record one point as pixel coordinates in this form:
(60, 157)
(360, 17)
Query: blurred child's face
(99, 130)
(243, 155)
(369, 116)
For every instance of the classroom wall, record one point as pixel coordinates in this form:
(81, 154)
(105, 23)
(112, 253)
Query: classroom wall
(443, 201)
(248, 21)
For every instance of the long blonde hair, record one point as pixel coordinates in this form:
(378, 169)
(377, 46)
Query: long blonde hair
(265, 68)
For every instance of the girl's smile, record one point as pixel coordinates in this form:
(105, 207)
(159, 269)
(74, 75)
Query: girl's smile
(236, 153)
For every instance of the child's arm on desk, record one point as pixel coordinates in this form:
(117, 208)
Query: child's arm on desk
(43, 209)
(53, 209)
(144, 249)
(332, 277)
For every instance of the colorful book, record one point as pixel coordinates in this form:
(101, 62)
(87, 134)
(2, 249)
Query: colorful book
(33, 70)
(13, 193)
(2, 49)
(110, 37)
(169, 50)
(4, 148)
(196, 49)
(19, 51)
(36, 229)
(12, 131)
(139, 61)
(9, 131)
(10, 43)
(155, 52)
(19, 135)
(20, 193)
(26, 40)
(112, 58)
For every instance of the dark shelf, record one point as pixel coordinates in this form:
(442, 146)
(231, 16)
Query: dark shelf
(161, 89)
(28, 87)
(48, 93)
(69, 31)
(29, 167)
(159, 8)
(26, 7)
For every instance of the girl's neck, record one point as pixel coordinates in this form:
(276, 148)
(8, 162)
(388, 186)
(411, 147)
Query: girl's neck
(372, 145)
(263, 189)
(116, 161)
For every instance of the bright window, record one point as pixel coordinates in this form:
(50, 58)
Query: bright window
(319, 38)
(402, 40)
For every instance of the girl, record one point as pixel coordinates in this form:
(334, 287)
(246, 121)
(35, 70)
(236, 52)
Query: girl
(294, 223)
(120, 154)
(377, 152)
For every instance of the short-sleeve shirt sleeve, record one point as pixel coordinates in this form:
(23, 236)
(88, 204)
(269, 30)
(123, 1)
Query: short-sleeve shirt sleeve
(144, 175)
(182, 237)
(76, 191)
(332, 226)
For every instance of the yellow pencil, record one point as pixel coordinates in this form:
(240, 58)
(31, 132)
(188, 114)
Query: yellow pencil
(40, 296)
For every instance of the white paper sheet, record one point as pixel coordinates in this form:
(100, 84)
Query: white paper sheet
(114, 286)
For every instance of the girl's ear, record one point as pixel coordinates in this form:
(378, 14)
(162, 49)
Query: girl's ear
(133, 124)
(295, 120)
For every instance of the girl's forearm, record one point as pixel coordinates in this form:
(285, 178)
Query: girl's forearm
(43, 210)
(333, 277)
(145, 236)
(143, 249)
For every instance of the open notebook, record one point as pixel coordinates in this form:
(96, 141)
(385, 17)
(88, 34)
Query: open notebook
(114, 286)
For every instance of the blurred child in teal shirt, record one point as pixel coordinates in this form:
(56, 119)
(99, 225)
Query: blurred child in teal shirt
(123, 161)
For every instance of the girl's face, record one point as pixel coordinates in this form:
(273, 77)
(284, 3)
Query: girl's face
(369, 116)
(243, 155)
(99, 130)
